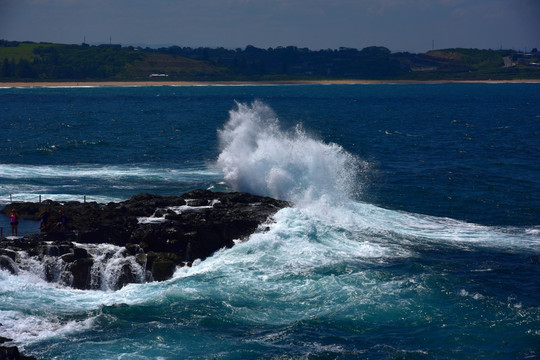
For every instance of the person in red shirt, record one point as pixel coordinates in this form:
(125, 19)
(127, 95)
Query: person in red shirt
(14, 220)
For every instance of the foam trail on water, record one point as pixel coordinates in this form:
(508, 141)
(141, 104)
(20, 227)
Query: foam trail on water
(94, 171)
(101, 183)
(259, 157)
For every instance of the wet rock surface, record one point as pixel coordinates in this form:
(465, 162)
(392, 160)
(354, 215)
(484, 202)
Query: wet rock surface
(151, 235)
(11, 352)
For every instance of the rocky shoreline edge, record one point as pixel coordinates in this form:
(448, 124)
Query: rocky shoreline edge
(145, 238)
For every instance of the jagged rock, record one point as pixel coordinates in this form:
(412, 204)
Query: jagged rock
(80, 253)
(7, 252)
(80, 270)
(8, 264)
(141, 259)
(161, 231)
(12, 353)
(163, 269)
(125, 276)
(133, 249)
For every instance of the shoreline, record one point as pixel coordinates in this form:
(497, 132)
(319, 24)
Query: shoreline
(244, 83)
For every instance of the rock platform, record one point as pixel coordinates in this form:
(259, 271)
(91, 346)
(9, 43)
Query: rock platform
(158, 233)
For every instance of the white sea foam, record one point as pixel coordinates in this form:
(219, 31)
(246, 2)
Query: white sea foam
(35, 310)
(258, 156)
(26, 329)
(63, 182)
(323, 180)
(18, 171)
(35, 196)
(159, 215)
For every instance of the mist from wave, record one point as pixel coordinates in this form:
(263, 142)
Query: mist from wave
(325, 182)
(260, 157)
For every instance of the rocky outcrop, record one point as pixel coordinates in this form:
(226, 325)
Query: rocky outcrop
(11, 352)
(155, 233)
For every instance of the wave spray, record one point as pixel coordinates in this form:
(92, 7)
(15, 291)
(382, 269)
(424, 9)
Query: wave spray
(260, 157)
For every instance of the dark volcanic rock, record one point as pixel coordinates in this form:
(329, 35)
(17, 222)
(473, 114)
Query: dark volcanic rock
(161, 231)
(11, 352)
(8, 264)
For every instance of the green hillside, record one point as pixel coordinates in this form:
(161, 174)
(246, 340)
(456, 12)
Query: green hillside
(50, 62)
(28, 61)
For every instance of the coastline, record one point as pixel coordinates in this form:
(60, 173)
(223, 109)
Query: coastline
(241, 83)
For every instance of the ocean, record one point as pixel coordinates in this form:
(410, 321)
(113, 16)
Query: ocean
(415, 230)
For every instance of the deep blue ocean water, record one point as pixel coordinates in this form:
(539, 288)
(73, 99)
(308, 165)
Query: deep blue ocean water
(415, 232)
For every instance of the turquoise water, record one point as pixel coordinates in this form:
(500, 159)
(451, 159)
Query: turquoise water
(414, 234)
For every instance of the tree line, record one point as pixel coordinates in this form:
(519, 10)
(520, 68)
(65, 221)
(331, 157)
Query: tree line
(66, 62)
(28, 61)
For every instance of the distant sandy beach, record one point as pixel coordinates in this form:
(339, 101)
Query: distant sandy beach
(202, 83)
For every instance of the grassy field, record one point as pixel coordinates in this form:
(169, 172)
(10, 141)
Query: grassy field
(172, 65)
(22, 52)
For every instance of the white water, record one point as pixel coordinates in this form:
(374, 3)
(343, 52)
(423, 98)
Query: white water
(311, 262)
(259, 157)
(111, 172)
(108, 263)
(323, 181)
(315, 259)
(63, 182)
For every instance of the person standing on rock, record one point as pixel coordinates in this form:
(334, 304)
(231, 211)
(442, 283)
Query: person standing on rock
(14, 220)
(44, 218)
